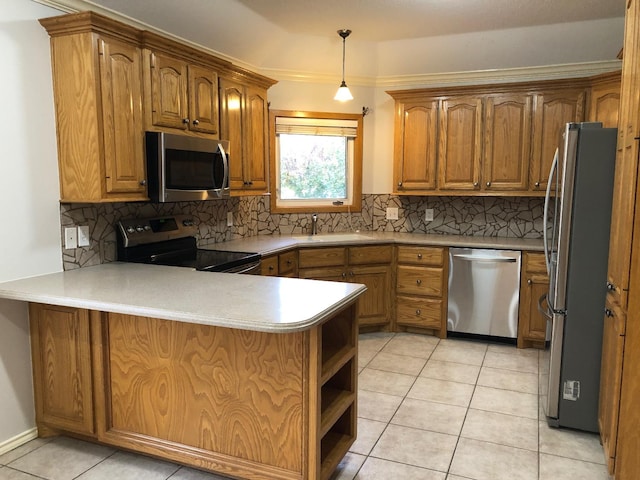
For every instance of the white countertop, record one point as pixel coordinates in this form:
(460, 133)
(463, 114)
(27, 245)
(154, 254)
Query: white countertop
(272, 244)
(248, 302)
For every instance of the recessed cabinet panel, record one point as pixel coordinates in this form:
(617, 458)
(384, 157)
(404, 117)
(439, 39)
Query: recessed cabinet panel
(169, 92)
(203, 100)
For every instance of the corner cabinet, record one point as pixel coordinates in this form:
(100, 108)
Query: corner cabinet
(245, 123)
(97, 87)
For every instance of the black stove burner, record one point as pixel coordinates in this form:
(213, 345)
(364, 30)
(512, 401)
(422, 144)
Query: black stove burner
(206, 260)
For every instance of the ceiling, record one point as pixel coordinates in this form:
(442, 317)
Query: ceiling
(390, 39)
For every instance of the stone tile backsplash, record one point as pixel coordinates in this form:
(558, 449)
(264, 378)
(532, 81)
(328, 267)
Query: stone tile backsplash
(517, 217)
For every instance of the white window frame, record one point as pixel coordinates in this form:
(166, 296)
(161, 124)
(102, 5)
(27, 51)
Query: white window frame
(320, 123)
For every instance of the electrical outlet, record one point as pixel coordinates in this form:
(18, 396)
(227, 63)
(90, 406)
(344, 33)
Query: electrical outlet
(229, 219)
(428, 215)
(392, 213)
(70, 238)
(83, 236)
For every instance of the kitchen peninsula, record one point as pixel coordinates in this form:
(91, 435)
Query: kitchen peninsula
(252, 377)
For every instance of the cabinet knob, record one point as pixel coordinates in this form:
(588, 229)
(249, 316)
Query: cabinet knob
(420, 256)
(288, 262)
(488, 184)
(344, 275)
(611, 287)
(529, 282)
(475, 184)
(271, 268)
(608, 312)
(537, 184)
(351, 274)
(143, 183)
(418, 312)
(185, 121)
(419, 282)
(399, 184)
(196, 122)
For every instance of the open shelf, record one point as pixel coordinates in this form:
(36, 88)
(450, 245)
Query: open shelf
(334, 404)
(336, 442)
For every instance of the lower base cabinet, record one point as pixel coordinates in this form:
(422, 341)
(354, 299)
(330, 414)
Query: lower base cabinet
(241, 403)
(534, 283)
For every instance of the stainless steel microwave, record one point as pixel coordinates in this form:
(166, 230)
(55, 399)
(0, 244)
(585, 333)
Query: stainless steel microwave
(183, 168)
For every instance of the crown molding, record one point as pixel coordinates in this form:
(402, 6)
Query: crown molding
(477, 77)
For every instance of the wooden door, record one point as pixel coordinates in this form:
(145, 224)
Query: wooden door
(123, 124)
(374, 306)
(459, 144)
(169, 92)
(61, 361)
(203, 100)
(507, 142)
(256, 134)
(552, 110)
(231, 129)
(604, 103)
(415, 146)
(611, 379)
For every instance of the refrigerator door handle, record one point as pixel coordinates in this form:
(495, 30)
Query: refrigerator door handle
(545, 217)
(545, 311)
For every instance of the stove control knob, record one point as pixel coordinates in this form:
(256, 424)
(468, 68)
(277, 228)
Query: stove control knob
(147, 228)
(130, 229)
(187, 223)
(139, 228)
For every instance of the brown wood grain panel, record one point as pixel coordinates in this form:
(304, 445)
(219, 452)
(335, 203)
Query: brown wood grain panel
(414, 280)
(321, 257)
(203, 100)
(244, 389)
(370, 254)
(421, 255)
(419, 312)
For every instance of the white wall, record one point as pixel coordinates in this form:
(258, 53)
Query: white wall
(30, 231)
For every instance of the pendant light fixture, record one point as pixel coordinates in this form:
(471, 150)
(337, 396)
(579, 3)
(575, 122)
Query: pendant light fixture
(343, 94)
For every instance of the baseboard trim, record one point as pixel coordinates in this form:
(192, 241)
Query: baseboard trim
(18, 440)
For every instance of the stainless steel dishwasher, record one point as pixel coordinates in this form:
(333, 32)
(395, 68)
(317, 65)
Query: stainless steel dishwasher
(484, 291)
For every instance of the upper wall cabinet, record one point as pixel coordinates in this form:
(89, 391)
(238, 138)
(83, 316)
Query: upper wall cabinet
(244, 122)
(183, 96)
(112, 82)
(97, 86)
(604, 100)
(490, 139)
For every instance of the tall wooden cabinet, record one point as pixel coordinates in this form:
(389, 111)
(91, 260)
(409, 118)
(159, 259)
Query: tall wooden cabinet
(619, 416)
(97, 87)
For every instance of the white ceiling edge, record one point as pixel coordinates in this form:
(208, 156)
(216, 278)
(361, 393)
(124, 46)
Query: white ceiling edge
(519, 74)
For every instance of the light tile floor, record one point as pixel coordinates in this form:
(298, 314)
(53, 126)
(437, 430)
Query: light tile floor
(428, 409)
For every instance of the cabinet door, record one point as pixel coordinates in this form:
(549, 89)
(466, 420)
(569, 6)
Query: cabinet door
(231, 124)
(414, 280)
(169, 92)
(331, 274)
(420, 312)
(322, 257)
(203, 100)
(415, 146)
(507, 142)
(374, 306)
(269, 266)
(459, 144)
(123, 130)
(604, 105)
(551, 112)
(61, 353)
(256, 134)
(611, 379)
(532, 323)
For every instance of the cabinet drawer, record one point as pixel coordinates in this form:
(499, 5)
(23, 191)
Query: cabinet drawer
(419, 280)
(321, 257)
(269, 266)
(370, 254)
(421, 255)
(288, 263)
(535, 263)
(420, 312)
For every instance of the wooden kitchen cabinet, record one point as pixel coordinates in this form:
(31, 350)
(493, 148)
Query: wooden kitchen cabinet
(460, 143)
(534, 283)
(282, 265)
(421, 289)
(604, 100)
(369, 265)
(97, 87)
(507, 142)
(62, 369)
(183, 96)
(613, 342)
(244, 122)
(415, 144)
(552, 110)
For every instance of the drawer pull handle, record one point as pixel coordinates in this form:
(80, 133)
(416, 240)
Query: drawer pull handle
(418, 312)
(288, 262)
(608, 312)
(611, 287)
(529, 282)
(270, 268)
(537, 184)
(344, 275)
(419, 256)
(419, 282)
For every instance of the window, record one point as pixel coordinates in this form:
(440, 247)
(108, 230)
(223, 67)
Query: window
(316, 162)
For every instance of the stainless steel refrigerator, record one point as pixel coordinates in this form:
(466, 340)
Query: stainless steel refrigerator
(577, 216)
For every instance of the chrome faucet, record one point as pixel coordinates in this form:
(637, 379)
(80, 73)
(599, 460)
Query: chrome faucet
(314, 224)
